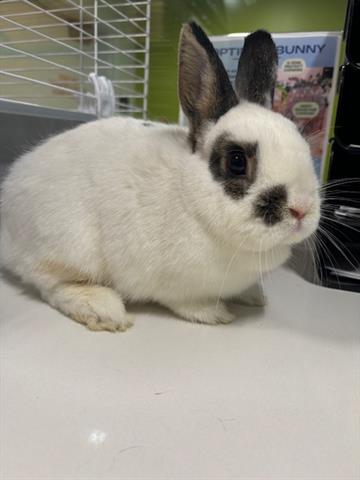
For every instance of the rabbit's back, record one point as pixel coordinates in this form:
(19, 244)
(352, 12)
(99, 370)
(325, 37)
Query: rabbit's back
(59, 200)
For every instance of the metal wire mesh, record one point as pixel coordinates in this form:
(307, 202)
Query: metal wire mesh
(55, 53)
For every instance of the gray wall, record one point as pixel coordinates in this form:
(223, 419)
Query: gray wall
(23, 126)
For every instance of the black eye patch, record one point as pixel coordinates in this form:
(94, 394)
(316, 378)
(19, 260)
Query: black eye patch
(234, 165)
(270, 205)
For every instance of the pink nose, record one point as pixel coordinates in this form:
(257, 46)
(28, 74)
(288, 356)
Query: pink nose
(297, 213)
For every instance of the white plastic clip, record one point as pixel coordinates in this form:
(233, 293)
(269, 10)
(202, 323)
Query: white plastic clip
(105, 96)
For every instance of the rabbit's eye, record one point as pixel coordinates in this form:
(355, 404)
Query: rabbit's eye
(234, 165)
(236, 162)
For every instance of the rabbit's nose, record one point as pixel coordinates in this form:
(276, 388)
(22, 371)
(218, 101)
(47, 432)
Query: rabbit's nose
(297, 213)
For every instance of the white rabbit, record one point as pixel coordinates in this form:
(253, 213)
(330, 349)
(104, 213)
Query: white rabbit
(119, 210)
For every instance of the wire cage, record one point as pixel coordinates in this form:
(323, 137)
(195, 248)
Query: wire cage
(89, 56)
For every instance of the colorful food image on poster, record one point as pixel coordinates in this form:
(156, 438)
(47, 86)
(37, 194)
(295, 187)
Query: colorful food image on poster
(305, 81)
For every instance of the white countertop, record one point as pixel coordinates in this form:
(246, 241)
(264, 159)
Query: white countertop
(275, 395)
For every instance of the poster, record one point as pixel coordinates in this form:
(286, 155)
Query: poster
(306, 81)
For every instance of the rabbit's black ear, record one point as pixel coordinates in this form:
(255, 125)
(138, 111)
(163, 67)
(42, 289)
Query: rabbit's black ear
(205, 90)
(257, 69)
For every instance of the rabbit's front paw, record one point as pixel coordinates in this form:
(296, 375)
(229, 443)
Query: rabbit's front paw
(253, 296)
(211, 313)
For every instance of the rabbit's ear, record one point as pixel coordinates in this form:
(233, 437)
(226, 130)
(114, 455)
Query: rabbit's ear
(257, 69)
(205, 90)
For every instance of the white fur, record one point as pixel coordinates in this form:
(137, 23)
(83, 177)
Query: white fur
(129, 206)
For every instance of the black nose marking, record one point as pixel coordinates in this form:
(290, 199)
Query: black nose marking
(269, 205)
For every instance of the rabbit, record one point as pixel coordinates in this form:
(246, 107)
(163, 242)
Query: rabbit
(120, 210)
